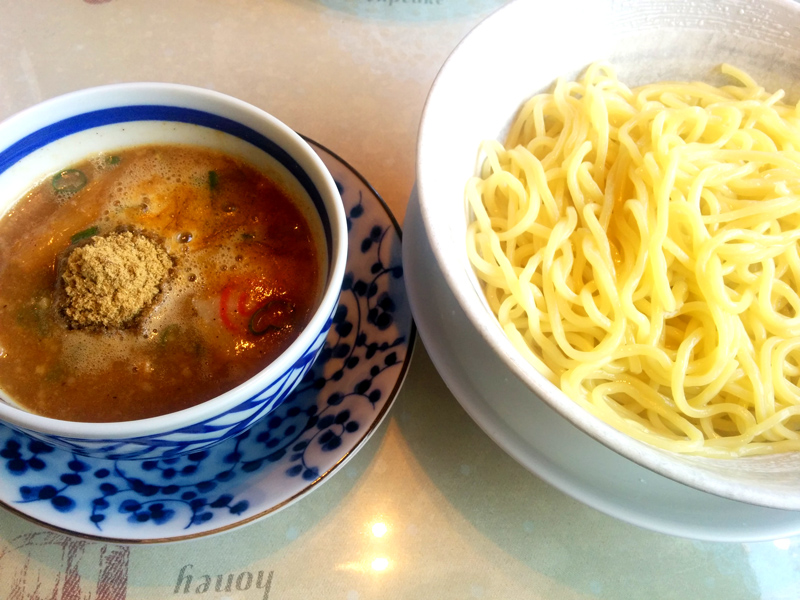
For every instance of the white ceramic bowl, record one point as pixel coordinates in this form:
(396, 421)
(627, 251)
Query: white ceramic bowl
(519, 51)
(64, 130)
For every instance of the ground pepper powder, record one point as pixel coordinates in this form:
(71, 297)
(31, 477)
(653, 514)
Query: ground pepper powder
(112, 278)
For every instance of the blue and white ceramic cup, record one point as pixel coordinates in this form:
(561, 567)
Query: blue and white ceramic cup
(67, 129)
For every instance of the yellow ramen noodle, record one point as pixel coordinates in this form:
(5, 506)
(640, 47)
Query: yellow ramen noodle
(640, 248)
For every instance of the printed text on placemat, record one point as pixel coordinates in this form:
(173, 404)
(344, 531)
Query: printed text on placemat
(254, 584)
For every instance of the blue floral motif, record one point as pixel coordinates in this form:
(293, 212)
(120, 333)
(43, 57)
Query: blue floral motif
(17, 462)
(328, 415)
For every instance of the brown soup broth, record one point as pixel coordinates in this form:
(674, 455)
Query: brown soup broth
(238, 241)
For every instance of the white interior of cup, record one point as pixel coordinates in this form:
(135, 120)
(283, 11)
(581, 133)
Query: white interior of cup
(52, 135)
(520, 51)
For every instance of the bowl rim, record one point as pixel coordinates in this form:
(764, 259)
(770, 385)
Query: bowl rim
(120, 95)
(685, 469)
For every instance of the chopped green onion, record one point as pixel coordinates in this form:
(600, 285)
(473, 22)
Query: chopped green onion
(248, 236)
(273, 316)
(169, 333)
(35, 317)
(82, 235)
(69, 181)
(112, 160)
(213, 180)
(56, 373)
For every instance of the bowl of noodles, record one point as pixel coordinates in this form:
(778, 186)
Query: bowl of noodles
(611, 193)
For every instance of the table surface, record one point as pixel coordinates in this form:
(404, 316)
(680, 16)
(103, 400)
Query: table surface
(460, 519)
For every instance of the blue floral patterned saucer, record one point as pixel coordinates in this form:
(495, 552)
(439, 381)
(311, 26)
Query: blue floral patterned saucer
(340, 402)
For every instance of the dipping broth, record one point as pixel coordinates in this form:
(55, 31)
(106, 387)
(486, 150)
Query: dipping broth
(248, 272)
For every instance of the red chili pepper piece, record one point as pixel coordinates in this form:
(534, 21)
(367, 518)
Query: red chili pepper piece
(223, 307)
